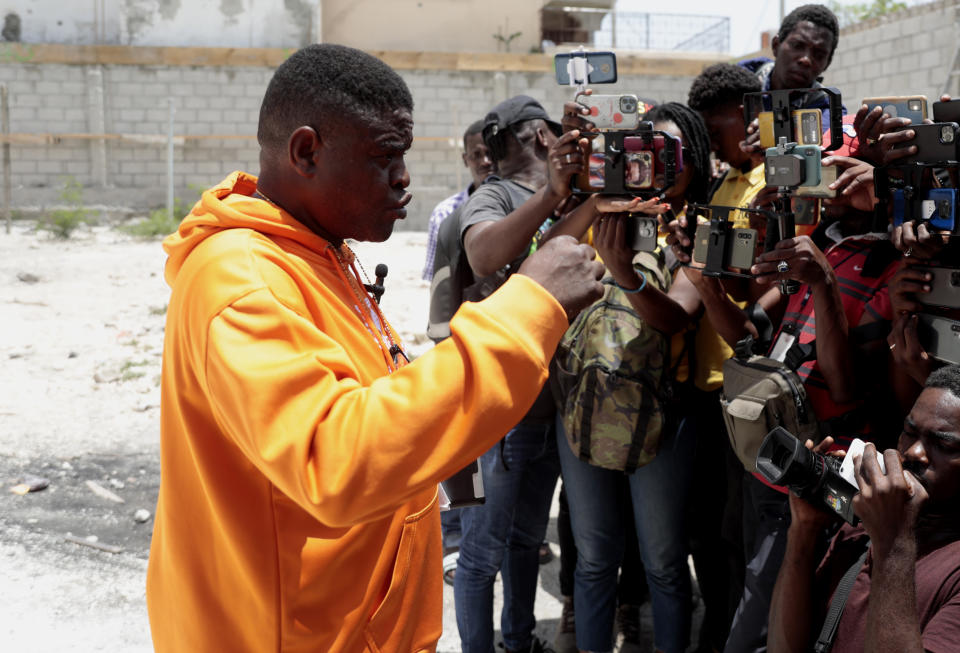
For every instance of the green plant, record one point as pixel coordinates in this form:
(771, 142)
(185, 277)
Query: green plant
(128, 373)
(848, 14)
(158, 224)
(63, 222)
(499, 36)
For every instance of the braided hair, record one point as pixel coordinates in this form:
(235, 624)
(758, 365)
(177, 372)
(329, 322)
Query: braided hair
(696, 141)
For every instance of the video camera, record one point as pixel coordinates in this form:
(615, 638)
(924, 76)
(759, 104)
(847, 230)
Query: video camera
(825, 481)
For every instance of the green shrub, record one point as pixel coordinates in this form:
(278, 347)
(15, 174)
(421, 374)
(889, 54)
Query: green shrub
(158, 224)
(63, 222)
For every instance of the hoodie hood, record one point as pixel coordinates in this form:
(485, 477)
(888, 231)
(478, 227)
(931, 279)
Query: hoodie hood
(231, 205)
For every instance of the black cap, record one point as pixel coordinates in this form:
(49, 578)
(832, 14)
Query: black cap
(519, 108)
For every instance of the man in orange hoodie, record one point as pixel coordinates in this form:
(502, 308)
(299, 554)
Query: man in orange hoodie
(300, 453)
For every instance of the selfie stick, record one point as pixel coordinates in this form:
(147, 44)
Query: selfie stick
(788, 229)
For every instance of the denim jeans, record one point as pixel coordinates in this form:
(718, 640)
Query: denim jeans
(504, 534)
(658, 493)
(450, 529)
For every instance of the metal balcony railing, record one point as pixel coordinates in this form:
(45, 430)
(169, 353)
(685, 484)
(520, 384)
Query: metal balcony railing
(605, 28)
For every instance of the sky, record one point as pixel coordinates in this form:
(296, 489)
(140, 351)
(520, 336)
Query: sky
(748, 19)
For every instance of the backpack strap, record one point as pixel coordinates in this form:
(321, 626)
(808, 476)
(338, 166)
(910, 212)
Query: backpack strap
(829, 630)
(762, 322)
(640, 428)
(586, 418)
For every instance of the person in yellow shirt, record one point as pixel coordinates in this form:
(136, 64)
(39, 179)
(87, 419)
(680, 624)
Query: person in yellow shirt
(300, 452)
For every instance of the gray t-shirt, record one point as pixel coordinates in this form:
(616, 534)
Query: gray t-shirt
(494, 201)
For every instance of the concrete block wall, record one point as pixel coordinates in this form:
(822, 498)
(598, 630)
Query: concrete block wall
(54, 98)
(904, 53)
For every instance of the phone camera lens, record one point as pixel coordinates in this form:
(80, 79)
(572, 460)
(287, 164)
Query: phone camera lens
(914, 105)
(628, 105)
(946, 134)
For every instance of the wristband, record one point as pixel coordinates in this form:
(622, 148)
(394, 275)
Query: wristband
(643, 284)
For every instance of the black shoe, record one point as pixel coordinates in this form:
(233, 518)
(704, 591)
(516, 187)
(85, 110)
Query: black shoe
(628, 624)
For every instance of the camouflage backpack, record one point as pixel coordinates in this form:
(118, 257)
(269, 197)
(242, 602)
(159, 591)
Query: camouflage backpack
(610, 378)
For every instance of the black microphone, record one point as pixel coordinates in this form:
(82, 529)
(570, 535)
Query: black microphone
(376, 288)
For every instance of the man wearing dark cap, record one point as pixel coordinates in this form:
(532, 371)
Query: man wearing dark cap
(499, 225)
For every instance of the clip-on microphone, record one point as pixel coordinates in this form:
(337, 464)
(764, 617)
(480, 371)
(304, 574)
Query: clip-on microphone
(376, 288)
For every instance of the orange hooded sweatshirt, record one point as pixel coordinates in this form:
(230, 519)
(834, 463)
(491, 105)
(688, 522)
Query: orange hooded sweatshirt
(298, 501)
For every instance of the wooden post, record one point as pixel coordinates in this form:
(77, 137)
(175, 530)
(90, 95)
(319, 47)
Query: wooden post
(5, 129)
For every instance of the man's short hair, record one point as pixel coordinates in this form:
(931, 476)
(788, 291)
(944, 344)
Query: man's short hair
(947, 378)
(474, 128)
(819, 15)
(721, 84)
(324, 81)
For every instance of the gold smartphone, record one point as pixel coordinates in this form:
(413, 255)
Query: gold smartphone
(807, 127)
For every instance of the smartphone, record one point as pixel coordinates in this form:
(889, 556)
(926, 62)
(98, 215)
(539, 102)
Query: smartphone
(944, 287)
(739, 251)
(946, 111)
(638, 172)
(913, 107)
(828, 175)
(573, 68)
(641, 233)
(856, 449)
(611, 111)
(807, 127)
(940, 337)
(936, 143)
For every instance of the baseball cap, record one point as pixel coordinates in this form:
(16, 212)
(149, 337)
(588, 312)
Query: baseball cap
(519, 108)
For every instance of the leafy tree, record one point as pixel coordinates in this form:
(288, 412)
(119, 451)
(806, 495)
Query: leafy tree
(848, 14)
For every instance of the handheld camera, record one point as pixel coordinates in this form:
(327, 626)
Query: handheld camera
(719, 248)
(825, 481)
(792, 162)
(628, 157)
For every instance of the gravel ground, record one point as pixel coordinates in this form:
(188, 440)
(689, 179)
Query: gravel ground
(81, 339)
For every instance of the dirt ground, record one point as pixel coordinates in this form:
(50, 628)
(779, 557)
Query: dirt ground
(81, 338)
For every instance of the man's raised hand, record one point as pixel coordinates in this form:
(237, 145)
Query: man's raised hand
(569, 271)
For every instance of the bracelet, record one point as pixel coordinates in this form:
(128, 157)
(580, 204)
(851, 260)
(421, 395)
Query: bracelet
(643, 284)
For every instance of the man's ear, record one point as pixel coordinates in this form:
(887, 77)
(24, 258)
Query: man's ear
(775, 45)
(542, 137)
(302, 149)
(463, 155)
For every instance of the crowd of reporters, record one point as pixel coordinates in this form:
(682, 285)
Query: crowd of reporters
(858, 303)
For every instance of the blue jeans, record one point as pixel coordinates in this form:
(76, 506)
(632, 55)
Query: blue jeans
(658, 493)
(504, 534)
(450, 529)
